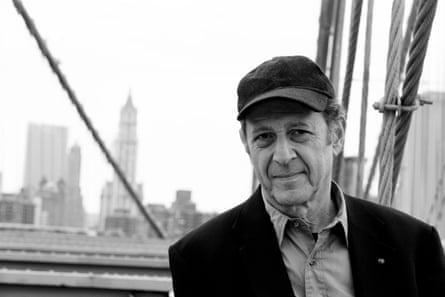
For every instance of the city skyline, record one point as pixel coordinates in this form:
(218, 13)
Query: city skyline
(182, 62)
(58, 162)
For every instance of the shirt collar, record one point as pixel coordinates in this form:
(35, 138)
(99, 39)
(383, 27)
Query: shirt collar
(280, 220)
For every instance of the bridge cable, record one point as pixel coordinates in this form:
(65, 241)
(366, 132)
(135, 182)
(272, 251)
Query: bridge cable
(364, 104)
(352, 48)
(438, 192)
(71, 95)
(417, 52)
(406, 41)
(392, 83)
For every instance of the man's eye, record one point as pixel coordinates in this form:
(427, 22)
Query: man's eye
(300, 133)
(264, 139)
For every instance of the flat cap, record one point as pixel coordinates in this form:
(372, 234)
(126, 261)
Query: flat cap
(292, 77)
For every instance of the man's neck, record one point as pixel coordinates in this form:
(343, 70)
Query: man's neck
(315, 214)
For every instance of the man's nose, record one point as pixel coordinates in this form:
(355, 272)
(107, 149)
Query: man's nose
(284, 152)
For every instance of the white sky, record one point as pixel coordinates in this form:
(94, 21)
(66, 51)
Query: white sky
(182, 61)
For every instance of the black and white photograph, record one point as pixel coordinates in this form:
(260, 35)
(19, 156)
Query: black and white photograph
(250, 148)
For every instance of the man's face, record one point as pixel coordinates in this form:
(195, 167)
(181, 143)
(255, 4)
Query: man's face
(291, 149)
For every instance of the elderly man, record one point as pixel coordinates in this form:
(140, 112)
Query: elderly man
(298, 234)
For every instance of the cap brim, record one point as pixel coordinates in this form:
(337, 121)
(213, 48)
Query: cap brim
(312, 99)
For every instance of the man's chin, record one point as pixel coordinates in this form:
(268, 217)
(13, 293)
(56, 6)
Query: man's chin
(289, 197)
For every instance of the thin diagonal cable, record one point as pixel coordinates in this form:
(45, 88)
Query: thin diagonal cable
(417, 52)
(352, 48)
(392, 83)
(373, 167)
(55, 68)
(440, 208)
(434, 207)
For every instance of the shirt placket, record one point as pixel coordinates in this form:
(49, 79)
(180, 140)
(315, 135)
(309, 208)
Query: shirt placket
(313, 274)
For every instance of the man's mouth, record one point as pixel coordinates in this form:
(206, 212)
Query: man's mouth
(286, 175)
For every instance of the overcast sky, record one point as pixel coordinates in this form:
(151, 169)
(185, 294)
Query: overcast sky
(182, 61)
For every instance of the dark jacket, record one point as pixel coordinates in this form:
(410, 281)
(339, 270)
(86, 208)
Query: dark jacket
(237, 254)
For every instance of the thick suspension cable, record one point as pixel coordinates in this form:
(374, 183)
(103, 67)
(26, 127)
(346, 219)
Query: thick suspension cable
(71, 95)
(408, 34)
(417, 52)
(406, 42)
(392, 84)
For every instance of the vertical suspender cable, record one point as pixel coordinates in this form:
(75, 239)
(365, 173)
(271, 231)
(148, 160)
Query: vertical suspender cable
(334, 65)
(324, 34)
(353, 36)
(330, 35)
(364, 107)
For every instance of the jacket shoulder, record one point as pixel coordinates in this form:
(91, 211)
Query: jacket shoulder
(383, 212)
(214, 233)
(394, 220)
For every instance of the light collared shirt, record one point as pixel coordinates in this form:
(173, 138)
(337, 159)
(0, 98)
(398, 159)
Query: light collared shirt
(317, 267)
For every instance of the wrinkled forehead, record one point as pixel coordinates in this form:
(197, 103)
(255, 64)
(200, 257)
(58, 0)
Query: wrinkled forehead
(276, 108)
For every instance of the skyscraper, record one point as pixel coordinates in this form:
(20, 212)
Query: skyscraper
(184, 216)
(118, 210)
(73, 206)
(45, 155)
(52, 176)
(15, 208)
(125, 148)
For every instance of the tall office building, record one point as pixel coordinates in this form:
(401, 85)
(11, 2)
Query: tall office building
(50, 201)
(125, 148)
(118, 211)
(52, 176)
(45, 155)
(16, 208)
(74, 161)
(73, 206)
(184, 216)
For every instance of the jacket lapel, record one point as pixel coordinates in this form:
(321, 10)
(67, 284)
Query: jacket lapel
(260, 252)
(372, 259)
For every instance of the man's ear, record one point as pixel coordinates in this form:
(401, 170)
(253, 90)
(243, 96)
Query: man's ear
(243, 137)
(337, 134)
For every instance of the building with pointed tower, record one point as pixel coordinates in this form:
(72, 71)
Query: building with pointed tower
(118, 212)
